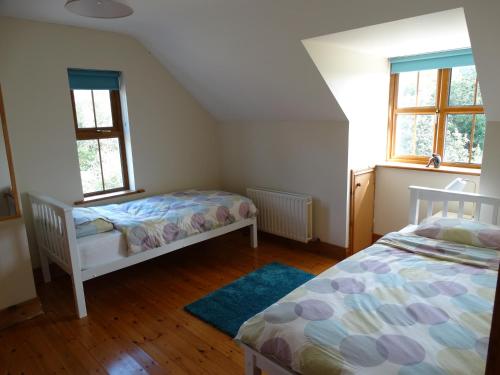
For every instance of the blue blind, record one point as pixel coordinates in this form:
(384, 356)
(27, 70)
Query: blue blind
(436, 60)
(83, 79)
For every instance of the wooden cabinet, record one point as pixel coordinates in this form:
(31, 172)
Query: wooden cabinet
(362, 209)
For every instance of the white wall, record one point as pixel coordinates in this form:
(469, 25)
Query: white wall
(174, 143)
(490, 176)
(360, 84)
(16, 279)
(392, 197)
(306, 158)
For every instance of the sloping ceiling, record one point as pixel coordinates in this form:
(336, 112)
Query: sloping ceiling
(433, 32)
(243, 59)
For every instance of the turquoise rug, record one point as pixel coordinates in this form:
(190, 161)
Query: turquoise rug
(228, 307)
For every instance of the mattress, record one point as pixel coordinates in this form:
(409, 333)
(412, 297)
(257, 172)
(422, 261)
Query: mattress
(101, 248)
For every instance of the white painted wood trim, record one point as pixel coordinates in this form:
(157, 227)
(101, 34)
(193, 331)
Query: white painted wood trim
(432, 196)
(256, 362)
(44, 262)
(253, 234)
(55, 233)
(414, 207)
(56, 239)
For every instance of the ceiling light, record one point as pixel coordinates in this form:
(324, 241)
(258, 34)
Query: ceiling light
(99, 8)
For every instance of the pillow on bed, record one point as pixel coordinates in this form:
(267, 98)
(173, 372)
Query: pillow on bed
(460, 231)
(88, 223)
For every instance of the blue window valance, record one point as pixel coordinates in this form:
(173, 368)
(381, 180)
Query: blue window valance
(84, 79)
(436, 60)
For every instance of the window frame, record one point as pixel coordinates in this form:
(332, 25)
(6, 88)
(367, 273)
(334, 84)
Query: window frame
(442, 109)
(116, 131)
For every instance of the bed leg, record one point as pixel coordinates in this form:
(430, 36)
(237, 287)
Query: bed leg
(44, 261)
(81, 308)
(250, 364)
(253, 235)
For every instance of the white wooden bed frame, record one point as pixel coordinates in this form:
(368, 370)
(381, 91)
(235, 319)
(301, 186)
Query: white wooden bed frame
(256, 362)
(56, 239)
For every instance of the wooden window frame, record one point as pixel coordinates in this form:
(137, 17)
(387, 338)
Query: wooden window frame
(442, 109)
(116, 131)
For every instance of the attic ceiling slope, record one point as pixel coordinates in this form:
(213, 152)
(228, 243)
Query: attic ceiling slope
(243, 59)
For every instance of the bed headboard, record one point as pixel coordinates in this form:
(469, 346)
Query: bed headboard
(485, 207)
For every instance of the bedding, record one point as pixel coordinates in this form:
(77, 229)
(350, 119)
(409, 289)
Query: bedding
(156, 221)
(88, 222)
(461, 230)
(406, 305)
(101, 249)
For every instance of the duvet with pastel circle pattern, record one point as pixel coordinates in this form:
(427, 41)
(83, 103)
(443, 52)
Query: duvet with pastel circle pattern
(406, 305)
(155, 221)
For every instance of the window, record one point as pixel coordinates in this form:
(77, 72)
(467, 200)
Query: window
(437, 111)
(99, 131)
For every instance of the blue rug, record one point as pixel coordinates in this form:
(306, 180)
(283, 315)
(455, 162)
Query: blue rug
(230, 306)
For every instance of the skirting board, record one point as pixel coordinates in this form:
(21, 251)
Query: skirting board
(323, 248)
(19, 313)
(376, 237)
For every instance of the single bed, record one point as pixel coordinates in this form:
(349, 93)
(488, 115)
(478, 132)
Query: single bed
(139, 230)
(409, 304)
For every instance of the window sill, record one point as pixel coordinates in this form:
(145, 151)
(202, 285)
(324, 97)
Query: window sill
(119, 194)
(421, 167)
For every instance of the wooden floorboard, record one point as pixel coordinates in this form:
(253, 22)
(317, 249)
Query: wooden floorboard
(136, 321)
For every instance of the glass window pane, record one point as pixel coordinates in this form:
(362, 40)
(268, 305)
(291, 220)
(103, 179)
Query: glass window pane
(478, 144)
(457, 138)
(414, 134)
(102, 105)
(479, 97)
(111, 163)
(407, 89)
(84, 108)
(463, 80)
(427, 87)
(90, 165)
(417, 89)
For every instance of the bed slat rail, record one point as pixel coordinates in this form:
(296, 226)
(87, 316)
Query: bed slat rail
(51, 229)
(433, 196)
(56, 239)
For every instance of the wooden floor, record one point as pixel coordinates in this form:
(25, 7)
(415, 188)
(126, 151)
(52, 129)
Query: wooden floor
(136, 321)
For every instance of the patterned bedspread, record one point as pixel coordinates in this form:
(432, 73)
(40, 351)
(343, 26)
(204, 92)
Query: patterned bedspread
(156, 221)
(406, 305)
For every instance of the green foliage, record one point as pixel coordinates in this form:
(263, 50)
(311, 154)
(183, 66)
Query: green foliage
(463, 80)
(90, 166)
(88, 154)
(458, 134)
(415, 134)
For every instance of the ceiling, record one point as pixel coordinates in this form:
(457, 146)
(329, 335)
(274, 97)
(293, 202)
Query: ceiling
(434, 32)
(243, 60)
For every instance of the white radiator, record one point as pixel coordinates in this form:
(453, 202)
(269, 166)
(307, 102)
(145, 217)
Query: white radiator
(283, 214)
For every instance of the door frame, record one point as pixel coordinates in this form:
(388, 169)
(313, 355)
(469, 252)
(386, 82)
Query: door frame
(354, 174)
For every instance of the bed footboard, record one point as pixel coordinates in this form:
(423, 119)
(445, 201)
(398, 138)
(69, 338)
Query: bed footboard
(431, 196)
(56, 240)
